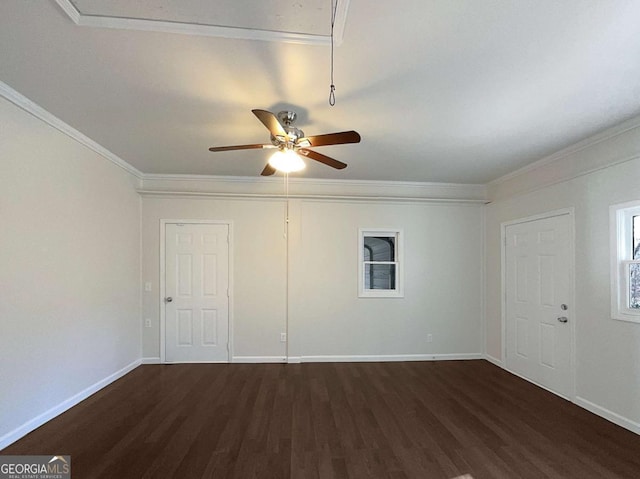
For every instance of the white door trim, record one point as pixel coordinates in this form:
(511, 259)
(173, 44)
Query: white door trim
(163, 223)
(570, 212)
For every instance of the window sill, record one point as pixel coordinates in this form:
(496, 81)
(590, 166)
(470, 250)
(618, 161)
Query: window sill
(381, 294)
(630, 317)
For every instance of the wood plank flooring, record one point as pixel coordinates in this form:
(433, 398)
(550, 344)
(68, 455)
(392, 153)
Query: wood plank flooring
(445, 419)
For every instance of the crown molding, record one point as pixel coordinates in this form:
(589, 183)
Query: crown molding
(182, 28)
(37, 111)
(315, 181)
(70, 9)
(589, 142)
(241, 186)
(610, 147)
(310, 197)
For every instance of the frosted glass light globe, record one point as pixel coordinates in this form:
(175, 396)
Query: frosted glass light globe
(286, 161)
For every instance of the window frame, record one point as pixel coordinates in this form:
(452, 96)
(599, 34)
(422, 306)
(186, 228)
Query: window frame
(398, 291)
(621, 244)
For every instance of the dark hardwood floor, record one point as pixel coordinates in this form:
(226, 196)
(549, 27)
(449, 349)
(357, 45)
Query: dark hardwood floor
(346, 420)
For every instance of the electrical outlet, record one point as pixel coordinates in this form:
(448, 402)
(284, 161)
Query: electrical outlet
(147, 286)
(429, 338)
(283, 337)
(147, 323)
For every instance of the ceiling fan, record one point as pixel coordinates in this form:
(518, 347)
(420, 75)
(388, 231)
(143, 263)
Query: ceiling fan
(291, 142)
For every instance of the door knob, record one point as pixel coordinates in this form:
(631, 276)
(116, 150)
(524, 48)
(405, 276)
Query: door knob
(563, 319)
(168, 299)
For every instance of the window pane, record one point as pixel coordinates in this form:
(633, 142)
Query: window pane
(380, 276)
(636, 237)
(634, 286)
(382, 248)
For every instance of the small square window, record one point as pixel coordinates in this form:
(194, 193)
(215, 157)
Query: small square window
(380, 264)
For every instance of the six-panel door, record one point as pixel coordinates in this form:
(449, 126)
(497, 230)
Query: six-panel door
(538, 284)
(196, 289)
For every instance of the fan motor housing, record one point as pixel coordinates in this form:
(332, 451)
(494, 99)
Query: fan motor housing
(286, 118)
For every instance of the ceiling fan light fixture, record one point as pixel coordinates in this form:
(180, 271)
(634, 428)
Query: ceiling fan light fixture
(292, 145)
(286, 161)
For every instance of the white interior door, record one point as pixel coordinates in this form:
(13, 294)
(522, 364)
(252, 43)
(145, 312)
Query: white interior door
(539, 316)
(196, 293)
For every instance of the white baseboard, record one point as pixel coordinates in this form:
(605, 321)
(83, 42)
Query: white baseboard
(609, 415)
(493, 360)
(39, 420)
(151, 361)
(389, 358)
(259, 359)
(356, 358)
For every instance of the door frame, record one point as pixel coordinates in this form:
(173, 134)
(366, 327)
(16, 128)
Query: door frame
(162, 288)
(570, 213)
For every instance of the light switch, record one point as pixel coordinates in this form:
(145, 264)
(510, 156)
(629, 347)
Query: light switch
(147, 286)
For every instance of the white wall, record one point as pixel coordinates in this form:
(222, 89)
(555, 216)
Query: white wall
(327, 320)
(259, 269)
(607, 351)
(442, 275)
(69, 270)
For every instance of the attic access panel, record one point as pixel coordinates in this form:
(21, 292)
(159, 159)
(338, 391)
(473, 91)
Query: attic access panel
(303, 21)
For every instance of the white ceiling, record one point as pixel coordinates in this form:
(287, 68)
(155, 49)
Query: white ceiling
(460, 91)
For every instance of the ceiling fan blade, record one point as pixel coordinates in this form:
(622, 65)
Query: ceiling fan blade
(314, 155)
(269, 120)
(240, 147)
(268, 170)
(334, 138)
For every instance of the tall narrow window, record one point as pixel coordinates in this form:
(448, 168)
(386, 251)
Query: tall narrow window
(625, 261)
(380, 265)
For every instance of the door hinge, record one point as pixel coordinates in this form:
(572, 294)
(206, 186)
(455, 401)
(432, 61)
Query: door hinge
(228, 294)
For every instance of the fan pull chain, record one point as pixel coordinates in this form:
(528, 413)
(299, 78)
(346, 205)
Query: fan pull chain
(332, 91)
(286, 211)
